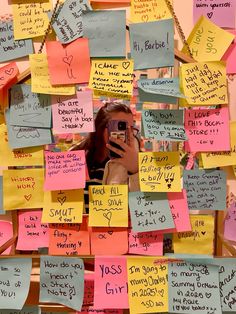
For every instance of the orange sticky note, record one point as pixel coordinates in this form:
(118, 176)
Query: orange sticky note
(68, 64)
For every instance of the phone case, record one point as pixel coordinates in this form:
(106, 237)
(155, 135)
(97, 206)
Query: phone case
(115, 131)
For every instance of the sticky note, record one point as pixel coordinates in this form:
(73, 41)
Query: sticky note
(40, 79)
(112, 77)
(30, 20)
(8, 75)
(207, 41)
(159, 172)
(15, 282)
(32, 234)
(69, 239)
(152, 44)
(6, 234)
(163, 125)
(147, 284)
(73, 114)
(108, 206)
(193, 288)
(206, 189)
(207, 130)
(19, 157)
(219, 12)
(64, 170)
(221, 159)
(150, 211)
(229, 57)
(149, 11)
(65, 65)
(146, 243)
(180, 212)
(68, 22)
(106, 37)
(230, 223)
(109, 241)
(63, 206)
(110, 283)
(23, 188)
(62, 281)
(199, 240)
(11, 49)
(204, 83)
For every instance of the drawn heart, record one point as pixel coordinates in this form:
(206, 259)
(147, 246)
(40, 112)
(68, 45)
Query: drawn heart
(28, 197)
(161, 292)
(125, 64)
(107, 216)
(162, 219)
(110, 232)
(9, 71)
(203, 232)
(144, 18)
(222, 98)
(68, 60)
(209, 15)
(61, 200)
(208, 295)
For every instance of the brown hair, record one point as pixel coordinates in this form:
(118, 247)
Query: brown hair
(94, 144)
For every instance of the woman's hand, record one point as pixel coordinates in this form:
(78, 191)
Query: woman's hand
(129, 155)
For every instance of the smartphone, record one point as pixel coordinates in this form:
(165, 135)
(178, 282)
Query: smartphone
(118, 130)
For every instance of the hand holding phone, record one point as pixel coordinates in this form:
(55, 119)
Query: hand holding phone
(117, 129)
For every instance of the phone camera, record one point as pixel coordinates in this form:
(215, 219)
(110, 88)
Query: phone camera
(121, 125)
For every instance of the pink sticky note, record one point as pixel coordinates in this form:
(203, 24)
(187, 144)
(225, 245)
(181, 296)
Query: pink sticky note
(230, 223)
(65, 170)
(92, 310)
(88, 288)
(230, 56)
(207, 130)
(223, 16)
(110, 283)
(73, 115)
(6, 233)
(180, 212)
(146, 243)
(8, 75)
(32, 235)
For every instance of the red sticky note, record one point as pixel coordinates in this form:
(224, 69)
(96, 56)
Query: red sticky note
(32, 235)
(69, 239)
(180, 211)
(6, 233)
(146, 243)
(110, 283)
(68, 64)
(112, 241)
(230, 56)
(65, 170)
(88, 289)
(207, 130)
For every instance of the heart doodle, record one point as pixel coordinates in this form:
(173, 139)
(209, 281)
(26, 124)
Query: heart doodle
(125, 64)
(203, 232)
(161, 292)
(145, 18)
(110, 232)
(28, 197)
(61, 200)
(9, 71)
(68, 60)
(209, 15)
(208, 295)
(222, 98)
(108, 217)
(162, 219)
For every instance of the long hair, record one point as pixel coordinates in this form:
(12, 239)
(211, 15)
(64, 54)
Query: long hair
(94, 144)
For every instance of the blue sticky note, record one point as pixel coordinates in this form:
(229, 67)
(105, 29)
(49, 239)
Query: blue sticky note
(14, 282)
(106, 32)
(152, 44)
(193, 288)
(22, 136)
(11, 49)
(29, 109)
(150, 211)
(68, 21)
(25, 310)
(206, 189)
(62, 281)
(164, 125)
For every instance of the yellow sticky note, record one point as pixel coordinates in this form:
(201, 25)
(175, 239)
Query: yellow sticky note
(40, 77)
(222, 159)
(108, 206)
(63, 206)
(149, 11)
(147, 284)
(30, 18)
(207, 41)
(204, 83)
(199, 240)
(112, 77)
(30, 156)
(159, 172)
(23, 188)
